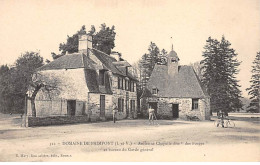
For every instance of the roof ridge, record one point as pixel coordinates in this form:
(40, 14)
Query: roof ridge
(103, 53)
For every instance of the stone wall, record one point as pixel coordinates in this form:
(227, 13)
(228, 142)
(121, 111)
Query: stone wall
(94, 106)
(56, 120)
(204, 105)
(119, 93)
(46, 108)
(164, 108)
(70, 85)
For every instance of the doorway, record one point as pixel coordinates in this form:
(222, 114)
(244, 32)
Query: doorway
(102, 105)
(71, 107)
(154, 106)
(175, 110)
(127, 107)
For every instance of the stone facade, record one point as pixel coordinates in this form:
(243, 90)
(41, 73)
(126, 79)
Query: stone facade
(164, 108)
(175, 91)
(87, 104)
(87, 89)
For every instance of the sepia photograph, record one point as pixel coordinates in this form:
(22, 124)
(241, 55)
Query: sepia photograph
(130, 81)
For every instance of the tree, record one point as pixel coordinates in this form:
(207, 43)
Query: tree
(219, 70)
(148, 62)
(162, 58)
(5, 100)
(197, 68)
(41, 81)
(26, 66)
(71, 46)
(15, 81)
(103, 40)
(254, 89)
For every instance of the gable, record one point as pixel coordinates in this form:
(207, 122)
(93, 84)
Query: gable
(183, 84)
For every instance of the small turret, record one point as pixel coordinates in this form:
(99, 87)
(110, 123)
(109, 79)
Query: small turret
(172, 62)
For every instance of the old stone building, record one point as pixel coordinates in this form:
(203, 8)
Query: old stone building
(175, 91)
(89, 84)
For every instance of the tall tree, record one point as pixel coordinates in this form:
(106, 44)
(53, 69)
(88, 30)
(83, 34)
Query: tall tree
(197, 68)
(219, 69)
(162, 58)
(103, 40)
(15, 81)
(71, 46)
(48, 83)
(254, 89)
(148, 62)
(5, 94)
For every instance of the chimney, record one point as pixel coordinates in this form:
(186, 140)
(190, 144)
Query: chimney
(85, 43)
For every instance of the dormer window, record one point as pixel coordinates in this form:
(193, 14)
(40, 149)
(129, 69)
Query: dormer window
(102, 77)
(154, 91)
(119, 82)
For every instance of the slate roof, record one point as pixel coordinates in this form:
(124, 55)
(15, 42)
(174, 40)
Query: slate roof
(184, 84)
(108, 62)
(128, 74)
(71, 61)
(79, 60)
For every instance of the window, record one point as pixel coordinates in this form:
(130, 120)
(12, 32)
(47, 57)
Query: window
(173, 60)
(101, 77)
(131, 86)
(126, 85)
(120, 105)
(132, 105)
(119, 83)
(123, 86)
(195, 103)
(154, 91)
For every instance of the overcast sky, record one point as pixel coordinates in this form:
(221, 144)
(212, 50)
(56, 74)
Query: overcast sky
(42, 25)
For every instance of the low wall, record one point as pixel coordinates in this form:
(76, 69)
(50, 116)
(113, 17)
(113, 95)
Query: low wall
(56, 120)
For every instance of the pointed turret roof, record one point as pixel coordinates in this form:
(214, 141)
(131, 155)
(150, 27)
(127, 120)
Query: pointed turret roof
(173, 54)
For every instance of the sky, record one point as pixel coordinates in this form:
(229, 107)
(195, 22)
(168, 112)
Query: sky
(34, 25)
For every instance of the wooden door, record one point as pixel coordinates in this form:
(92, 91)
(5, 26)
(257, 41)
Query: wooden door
(175, 110)
(127, 107)
(102, 105)
(132, 107)
(71, 107)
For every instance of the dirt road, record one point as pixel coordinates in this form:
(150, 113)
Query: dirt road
(132, 140)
